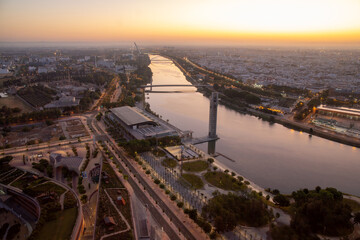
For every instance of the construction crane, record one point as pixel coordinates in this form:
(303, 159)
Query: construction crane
(137, 48)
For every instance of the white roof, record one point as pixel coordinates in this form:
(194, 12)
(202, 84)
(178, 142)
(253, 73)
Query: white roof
(352, 111)
(130, 115)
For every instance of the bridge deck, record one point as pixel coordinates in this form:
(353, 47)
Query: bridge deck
(172, 85)
(195, 141)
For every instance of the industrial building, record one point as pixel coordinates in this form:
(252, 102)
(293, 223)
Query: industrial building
(141, 124)
(342, 112)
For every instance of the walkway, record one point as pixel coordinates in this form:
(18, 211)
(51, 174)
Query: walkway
(122, 217)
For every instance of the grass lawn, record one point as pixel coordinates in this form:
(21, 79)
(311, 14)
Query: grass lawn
(14, 101)
(61, 228)
(355, 206)
(169, 162)
(223, 181)
(196, 166)
(195, 181)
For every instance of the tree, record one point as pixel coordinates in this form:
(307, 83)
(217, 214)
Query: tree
(226, 211)
(84, 198)
(321, 212)
(281, 200)
(193, 214)
(49, 170)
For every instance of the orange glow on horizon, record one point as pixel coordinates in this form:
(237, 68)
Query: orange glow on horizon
(271, 21)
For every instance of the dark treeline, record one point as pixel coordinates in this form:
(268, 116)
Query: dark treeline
(98, 78)
(319, 211)
(31, 116)
(227, 211)
(139, 146)
(7, 111)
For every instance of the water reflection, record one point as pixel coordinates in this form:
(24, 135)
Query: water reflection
(268, 154)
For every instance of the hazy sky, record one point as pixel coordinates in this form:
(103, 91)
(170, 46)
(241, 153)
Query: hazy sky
(181, 20)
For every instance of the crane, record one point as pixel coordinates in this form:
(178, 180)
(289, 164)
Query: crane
(137, 48)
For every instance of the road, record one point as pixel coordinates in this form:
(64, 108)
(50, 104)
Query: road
(141, 195)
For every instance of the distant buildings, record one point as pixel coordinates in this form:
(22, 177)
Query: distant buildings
(314, 69)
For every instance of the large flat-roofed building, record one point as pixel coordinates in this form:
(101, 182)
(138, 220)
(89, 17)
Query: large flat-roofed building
(132, 117)
(141, 124)
(343, 112)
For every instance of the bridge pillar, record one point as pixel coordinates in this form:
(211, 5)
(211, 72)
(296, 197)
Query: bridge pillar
(213, 114)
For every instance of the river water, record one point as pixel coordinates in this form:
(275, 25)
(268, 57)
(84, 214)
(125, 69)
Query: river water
(270, 155)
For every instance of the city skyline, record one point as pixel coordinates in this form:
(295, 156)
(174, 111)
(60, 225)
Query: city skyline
(273, 22)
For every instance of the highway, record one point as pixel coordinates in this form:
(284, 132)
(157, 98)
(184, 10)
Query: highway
(141, 195)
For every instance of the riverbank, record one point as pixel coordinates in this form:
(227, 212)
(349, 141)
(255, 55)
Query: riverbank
(298, 126)
(264, 152)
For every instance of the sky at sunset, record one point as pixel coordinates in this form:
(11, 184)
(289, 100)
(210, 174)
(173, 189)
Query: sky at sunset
(303, 21)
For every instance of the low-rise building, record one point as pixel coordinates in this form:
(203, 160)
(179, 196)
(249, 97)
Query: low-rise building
(343, 112)
(72, 163)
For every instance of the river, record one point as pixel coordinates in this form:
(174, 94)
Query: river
(270, 155)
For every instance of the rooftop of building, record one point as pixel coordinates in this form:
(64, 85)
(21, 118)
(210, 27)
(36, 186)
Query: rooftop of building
(130, 115)
(72, 163)
(352, 111)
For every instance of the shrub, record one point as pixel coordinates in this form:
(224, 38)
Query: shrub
(156, 181)
(84, 198)
(81, 189)
(275, 192)
(173, 197)
(193, 214)
(180, 204)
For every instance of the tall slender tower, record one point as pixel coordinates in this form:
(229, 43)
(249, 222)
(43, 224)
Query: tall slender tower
(213, 114)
